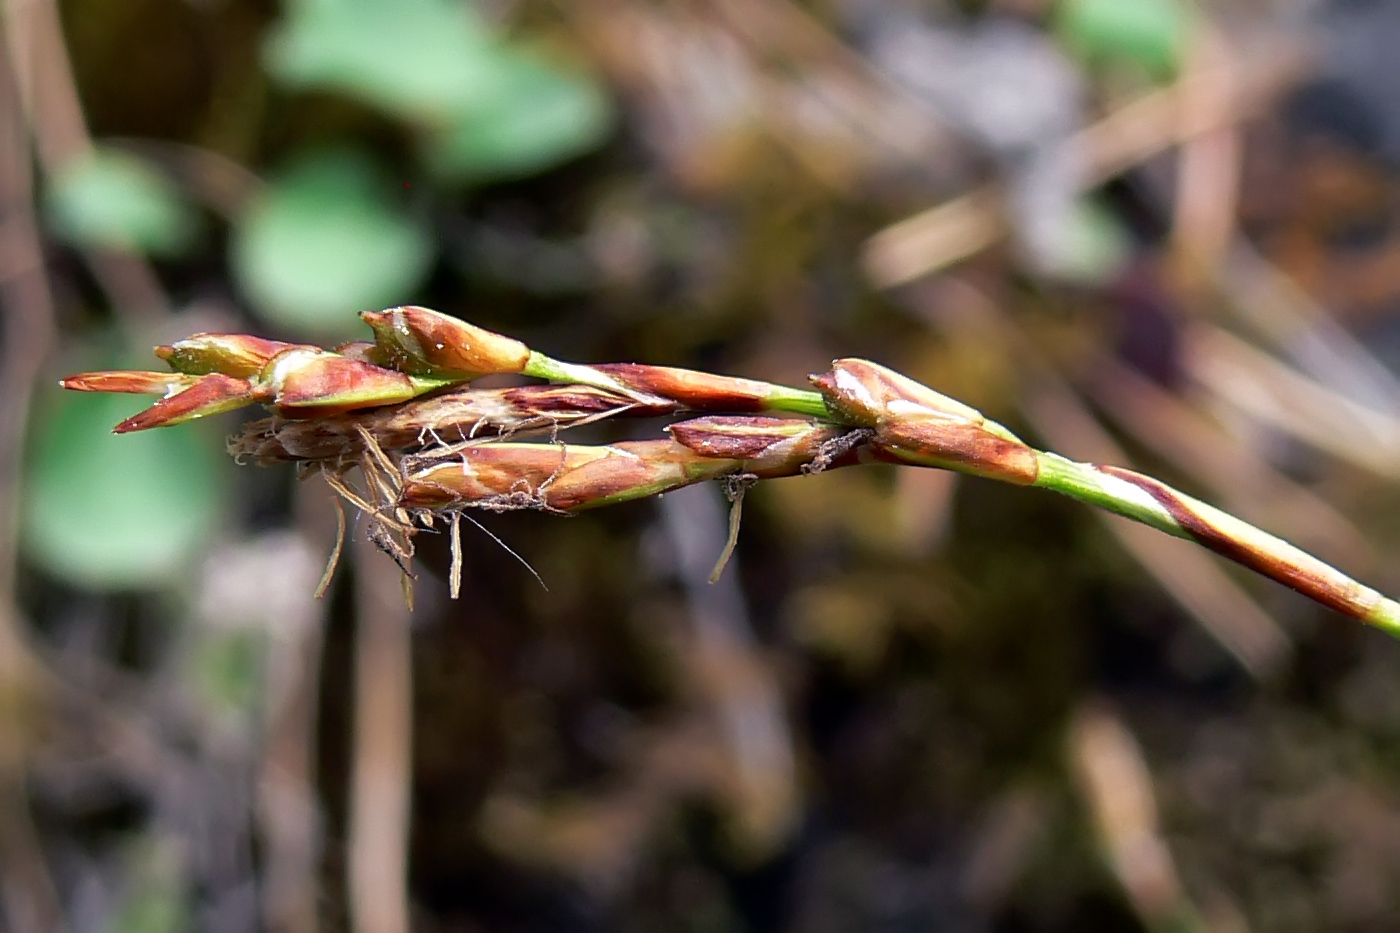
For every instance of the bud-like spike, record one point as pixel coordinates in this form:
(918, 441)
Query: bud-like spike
(914, 424)
(560, 477)
(239, 355)
(867, 393)
(135, 383)
(422, 342)
(683, 388)
(209, 395)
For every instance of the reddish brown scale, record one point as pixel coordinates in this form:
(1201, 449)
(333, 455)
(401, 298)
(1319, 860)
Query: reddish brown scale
(767, 447)
(576, 399)
(695, 390)
(1335, 593)
(967, 447)
(209, 394)
(361, 350)
(865, 393)
(325, 383)
(737, 438)
(494, 472)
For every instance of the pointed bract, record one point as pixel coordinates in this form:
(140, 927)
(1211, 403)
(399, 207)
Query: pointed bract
(209, 395)
(135, 383)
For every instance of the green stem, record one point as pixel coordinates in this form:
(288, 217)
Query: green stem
(799, 402)
(1157, 505)
(1083, 482)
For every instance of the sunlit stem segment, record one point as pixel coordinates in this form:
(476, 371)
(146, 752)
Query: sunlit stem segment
(777, 398)
(798, 402)
(1153, 503)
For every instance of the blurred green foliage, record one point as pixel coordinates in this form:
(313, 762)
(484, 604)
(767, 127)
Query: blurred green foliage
(420, 59)
(537, 116)
(1099, 245)
(488, 108)
(323, 241)
(1148, 34)
(155, 901)
(112, 199)
(120, 512)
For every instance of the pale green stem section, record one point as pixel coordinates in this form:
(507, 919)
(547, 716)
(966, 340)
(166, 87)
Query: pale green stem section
(1242, 541)
(799, 402)
(1081, 481)
(1386, 616)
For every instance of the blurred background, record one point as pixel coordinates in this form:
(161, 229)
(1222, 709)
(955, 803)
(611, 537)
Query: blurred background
(1157, 233)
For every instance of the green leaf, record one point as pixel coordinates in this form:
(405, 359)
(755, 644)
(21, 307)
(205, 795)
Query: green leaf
(416, 58)
(490, 111)
(539, 116)
(1149, 33)
(111, 512)
(324, 242)
(114, 200)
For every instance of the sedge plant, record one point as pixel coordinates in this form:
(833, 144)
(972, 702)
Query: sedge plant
(401, 409)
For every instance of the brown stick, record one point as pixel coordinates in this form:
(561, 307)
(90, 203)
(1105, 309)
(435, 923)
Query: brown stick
(377, 877)
(27, 894)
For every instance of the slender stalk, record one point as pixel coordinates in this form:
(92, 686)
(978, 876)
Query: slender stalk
(380, 786)
(1156, 504)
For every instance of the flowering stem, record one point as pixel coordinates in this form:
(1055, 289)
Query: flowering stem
(336, 410)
